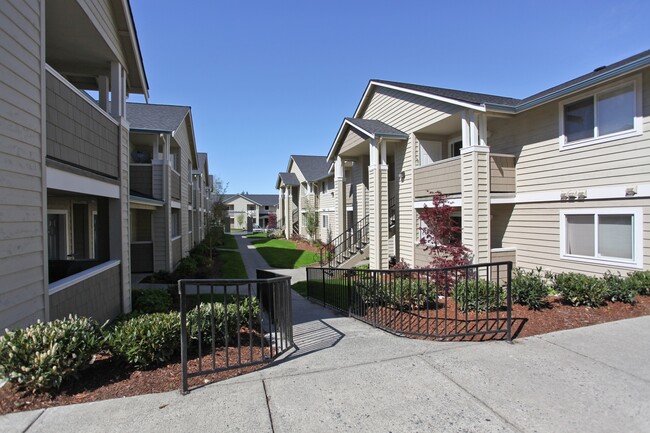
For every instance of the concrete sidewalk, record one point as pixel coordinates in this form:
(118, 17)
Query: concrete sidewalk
(347, 376)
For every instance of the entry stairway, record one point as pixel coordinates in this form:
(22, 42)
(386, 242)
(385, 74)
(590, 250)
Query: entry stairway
(347, 249)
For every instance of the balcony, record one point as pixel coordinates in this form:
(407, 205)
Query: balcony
(79, 132)
(141, 179)
(445, 176)
(175, 185)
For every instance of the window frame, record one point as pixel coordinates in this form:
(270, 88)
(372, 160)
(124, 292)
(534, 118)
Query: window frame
(637, 121)
(637, 237)
(324, 218)
(450, 146)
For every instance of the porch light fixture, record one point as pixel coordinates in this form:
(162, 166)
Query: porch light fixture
(402, 176)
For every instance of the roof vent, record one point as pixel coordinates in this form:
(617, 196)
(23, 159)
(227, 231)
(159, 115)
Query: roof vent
(600, 68)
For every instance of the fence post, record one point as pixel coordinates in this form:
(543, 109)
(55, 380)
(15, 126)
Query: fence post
(349, 289)
(183, 308)
(509, 302)
(323, 286)
(307, 273)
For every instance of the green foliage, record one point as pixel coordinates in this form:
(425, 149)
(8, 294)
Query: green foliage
(311, 221)
(619, 289)
(41, 356)
(408, 293)
(481, 295)
(146, 340)
(579, 289)
(639, 281)
(147, 301)
(530, 288)
(227, 320)
(186, 268)
(280, 253)
(231, 265)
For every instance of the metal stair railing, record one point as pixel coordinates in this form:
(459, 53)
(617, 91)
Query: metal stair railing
(346, 244)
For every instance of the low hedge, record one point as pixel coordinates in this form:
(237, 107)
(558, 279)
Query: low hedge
(481, 295)
(41, 356)
(146, 301)
(530, 288)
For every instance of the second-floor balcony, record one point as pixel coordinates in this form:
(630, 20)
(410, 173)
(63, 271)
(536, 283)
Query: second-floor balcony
(446, 176)
(175, 191)
(79, 132)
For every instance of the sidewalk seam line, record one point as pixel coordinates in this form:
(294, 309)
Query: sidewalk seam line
(35, 419)
(480, 402)
(268, 407)
(595, 360)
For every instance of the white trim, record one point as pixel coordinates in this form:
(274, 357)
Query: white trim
(636, 212)
(453, 202)
(177, 204)
(65, 181)
(637, 130)
(66, 282)
(425, 95)
(81, 94)
(477, 149)
(593, 193)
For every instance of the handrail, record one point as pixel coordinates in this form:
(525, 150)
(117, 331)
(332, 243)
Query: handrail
(356, 237)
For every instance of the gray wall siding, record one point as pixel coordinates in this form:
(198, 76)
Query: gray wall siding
(97, 297)
(77, 133)
(23, 283)
(161, 240)
(101, 14)
(141, 179)
(183, 139)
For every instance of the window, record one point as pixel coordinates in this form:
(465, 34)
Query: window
(326, 223)
(454, 147)
(325, 187)
(430, 152)
(176, 223)
(611, 236)
(609, 113)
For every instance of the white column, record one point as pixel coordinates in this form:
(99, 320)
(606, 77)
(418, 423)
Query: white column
(339, 190)
(117, 89)
(104, 89)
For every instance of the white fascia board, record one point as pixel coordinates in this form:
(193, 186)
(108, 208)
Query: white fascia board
(429, 96)
(331, 153)
(65, 181)
(453, 202)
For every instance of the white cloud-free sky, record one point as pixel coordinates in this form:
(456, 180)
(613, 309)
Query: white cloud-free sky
(267, 79)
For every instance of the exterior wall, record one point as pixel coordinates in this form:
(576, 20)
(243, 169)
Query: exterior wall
(124, 228)
(78, 133)
(405, 216)
(23, 265)
(534, 231)
(101, 14)
(476, 203)
(161, 239)
(533, 136)
(98, 297)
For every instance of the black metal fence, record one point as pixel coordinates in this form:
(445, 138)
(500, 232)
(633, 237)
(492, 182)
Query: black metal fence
(229, 324)
(458, 303)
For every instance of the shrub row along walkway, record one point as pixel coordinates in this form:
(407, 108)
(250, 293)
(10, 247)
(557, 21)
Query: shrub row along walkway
(348, 376)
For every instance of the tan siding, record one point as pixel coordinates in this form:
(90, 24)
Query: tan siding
(534, 230)
(533, 137)
(352, 140)
(101, 13)
(124, 274)
(22, 267)
(443, 176)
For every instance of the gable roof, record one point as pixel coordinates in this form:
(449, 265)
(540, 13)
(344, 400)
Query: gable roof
(367, 127)
(289, 179)
(312, 167)
(258, 199)
(487, 102)
(155, 117)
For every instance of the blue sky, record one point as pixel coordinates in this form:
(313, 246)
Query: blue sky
(267, 79)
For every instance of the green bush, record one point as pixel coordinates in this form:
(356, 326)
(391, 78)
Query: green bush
(619, 289)
(41, 356)
(226, 319)
(407, 293)
(186, 268)
(639, 281)
(529, 288)
(147, 301)
(146, 340)
(579, 289)
(471, 295)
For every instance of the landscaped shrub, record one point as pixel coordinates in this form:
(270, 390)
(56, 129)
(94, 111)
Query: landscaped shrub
(41, 356)
(186, 268)
(471, 295)
(618, 289)
(529, 288)
(408, 293)
(145, 301)
(639, 281)
(579, 289)
(146, 340)
(226, 320)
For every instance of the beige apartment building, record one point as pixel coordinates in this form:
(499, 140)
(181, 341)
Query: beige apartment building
(308, 186)
(559, 179)
(247, 211)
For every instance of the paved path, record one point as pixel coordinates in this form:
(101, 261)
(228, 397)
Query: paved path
(347, 376)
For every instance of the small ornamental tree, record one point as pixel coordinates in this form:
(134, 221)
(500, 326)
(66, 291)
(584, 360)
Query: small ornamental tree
(273, 220)
(240, 220)
(441, 237)
(311, 222)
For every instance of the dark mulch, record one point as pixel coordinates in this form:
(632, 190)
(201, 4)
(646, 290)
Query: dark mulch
(446, 319)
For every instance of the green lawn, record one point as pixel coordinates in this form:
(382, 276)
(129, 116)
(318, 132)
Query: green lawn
(231, 265)
(229, 242)
(280, 253)
(257, 236)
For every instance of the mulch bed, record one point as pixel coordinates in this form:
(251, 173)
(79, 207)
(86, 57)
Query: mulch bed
(447, 320)
(107, 378)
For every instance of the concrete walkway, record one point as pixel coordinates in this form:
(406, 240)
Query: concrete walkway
(347, 376)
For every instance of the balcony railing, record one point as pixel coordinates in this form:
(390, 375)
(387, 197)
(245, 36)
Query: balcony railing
(175, 184)
(177, 251)
(443, 176)
(79, 132)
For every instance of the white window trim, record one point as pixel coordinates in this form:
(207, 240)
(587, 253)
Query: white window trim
(636, 262)
(638, 117)
(450, 142)
(323, 221)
